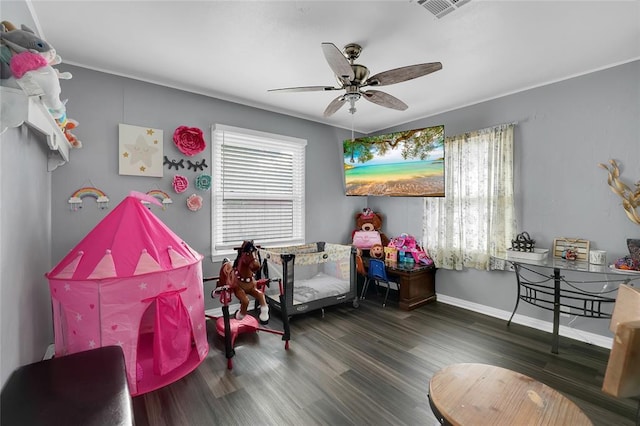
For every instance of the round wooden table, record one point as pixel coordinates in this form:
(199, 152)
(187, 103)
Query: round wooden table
(479, 394)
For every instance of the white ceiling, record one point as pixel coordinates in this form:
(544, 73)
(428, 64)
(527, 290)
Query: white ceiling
(238, 50)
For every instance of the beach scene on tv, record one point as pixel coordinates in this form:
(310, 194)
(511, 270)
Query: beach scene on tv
(401, 164)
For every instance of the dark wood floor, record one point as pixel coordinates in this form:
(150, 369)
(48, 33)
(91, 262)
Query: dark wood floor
(371, 366)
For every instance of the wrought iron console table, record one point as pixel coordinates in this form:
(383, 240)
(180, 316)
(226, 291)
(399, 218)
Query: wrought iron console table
(538, 291)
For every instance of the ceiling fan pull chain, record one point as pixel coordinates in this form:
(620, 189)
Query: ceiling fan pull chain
(352, 120)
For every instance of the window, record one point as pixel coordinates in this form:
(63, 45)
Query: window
(476, 219)
(258, 189)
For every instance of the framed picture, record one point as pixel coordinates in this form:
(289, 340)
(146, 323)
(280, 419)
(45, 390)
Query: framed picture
(410, 163)
(579, 247)
(140, 151)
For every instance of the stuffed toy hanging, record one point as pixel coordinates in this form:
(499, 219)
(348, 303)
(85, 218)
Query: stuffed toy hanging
(26, 58)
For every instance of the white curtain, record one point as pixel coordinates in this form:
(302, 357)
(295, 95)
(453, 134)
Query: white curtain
(476, 218)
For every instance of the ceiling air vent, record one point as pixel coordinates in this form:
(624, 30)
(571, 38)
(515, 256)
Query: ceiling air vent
(441, 8)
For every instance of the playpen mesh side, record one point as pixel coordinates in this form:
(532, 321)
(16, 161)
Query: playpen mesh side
(309, 272)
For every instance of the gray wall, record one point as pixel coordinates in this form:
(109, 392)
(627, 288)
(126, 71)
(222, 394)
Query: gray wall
(25, 249)
(564, 130)
(25, 238)
(99, 102)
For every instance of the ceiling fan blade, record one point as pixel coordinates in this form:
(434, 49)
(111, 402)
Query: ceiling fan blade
(334, 106)
(399, 75)
(338, 62)
(384, 99)
(305, 89)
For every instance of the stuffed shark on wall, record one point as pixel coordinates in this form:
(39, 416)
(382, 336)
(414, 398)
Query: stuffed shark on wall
(14, 41)
(23, 55)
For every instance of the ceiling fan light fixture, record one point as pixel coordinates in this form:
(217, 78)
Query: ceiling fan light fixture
(352, 98)
(353, 77)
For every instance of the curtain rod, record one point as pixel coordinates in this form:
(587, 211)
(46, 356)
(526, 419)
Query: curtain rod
(485, 129)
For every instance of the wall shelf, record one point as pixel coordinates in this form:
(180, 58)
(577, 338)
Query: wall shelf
(24, 106)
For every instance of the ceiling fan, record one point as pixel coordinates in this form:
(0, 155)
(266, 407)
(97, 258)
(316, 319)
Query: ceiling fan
(353, 77)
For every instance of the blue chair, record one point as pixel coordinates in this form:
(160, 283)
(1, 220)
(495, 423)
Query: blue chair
(377, 273)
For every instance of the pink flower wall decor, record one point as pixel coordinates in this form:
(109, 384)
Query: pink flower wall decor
(194, 202)
(189, 140)
(180, 183)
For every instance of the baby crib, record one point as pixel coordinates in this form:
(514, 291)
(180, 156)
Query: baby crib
(314, 276)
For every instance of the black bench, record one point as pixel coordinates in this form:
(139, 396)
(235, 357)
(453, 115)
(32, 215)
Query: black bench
(85, 388)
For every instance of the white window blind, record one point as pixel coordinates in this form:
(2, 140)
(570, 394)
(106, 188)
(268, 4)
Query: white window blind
(258, 189)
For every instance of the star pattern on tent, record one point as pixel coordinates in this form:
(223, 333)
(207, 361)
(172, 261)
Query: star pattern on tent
(83, 296)
(141, 151)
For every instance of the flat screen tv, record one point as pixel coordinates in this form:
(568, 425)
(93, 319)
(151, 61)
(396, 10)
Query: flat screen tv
(401, 164)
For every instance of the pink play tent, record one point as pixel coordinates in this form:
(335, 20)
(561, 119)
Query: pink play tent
(132, 282)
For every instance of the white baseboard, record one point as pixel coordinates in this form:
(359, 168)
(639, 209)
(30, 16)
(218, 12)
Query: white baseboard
(570, 332)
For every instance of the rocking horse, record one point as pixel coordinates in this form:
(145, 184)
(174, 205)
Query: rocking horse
(239, 278)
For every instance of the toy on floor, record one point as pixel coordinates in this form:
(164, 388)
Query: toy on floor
(240, 280)
(229, 327)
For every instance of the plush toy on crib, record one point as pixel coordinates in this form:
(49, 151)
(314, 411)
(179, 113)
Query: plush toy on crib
(239, 276)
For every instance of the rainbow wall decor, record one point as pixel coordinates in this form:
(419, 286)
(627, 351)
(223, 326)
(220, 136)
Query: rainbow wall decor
(75, 201)
(162, 196)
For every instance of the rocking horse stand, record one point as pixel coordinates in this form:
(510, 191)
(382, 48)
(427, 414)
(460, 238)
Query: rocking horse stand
(229, 326)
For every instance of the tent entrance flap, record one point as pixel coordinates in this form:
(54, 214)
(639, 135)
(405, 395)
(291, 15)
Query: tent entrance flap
(172, 333)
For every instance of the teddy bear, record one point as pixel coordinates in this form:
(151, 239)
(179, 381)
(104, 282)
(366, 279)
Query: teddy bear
(368, 220)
